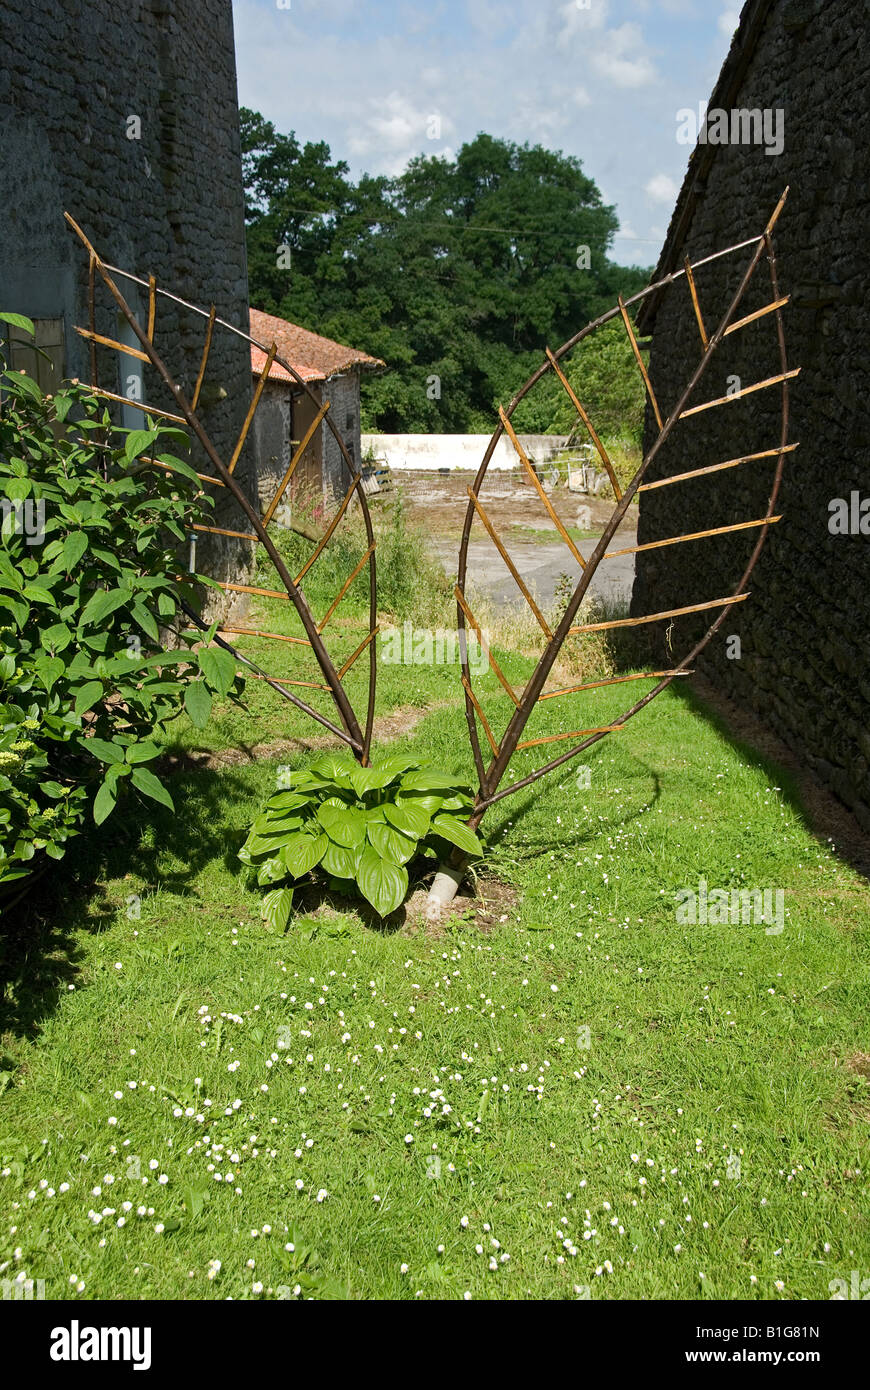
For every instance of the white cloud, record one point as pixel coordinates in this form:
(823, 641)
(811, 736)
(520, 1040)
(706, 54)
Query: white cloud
(577, 20)
(394, 128)
(367, 79)
(621, 58)
(661, 189)
(728, 21)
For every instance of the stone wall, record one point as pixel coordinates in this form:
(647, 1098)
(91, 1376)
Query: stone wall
(418, 452)
(342, 392)
(271, 439)
(77, 77)
(804, 663)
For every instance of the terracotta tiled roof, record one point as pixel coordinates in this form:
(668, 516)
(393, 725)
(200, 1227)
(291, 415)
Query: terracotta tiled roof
(314, 358)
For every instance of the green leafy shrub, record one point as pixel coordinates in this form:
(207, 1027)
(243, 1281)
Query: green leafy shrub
(357, 828)
(88, 578)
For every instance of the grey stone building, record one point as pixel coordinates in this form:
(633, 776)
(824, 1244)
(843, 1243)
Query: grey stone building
(804, 662)
(332, 372)
(126, 116)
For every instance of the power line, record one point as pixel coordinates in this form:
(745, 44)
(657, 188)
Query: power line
(453, 225)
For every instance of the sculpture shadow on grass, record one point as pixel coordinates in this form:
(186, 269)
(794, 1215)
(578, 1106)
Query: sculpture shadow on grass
(40, 950)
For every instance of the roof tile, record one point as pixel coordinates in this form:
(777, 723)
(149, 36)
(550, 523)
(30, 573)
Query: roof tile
(313, 357)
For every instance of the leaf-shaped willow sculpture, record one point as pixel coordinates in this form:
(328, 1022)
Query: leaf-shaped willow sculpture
(351, 731)
(523, 705)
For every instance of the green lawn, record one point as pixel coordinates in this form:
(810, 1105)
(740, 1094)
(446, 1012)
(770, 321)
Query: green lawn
(556, 1108)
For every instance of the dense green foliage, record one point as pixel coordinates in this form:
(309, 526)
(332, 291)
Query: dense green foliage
(356, 825)
(603, 372)
(456, 273)
(88, 575)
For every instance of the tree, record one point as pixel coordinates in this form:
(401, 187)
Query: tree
(456, 273)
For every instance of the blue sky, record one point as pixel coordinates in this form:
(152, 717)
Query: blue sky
(600, 79)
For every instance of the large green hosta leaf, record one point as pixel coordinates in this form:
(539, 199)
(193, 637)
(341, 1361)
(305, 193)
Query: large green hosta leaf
(429, 780)
(457, 833)
(409, 818)
(302, 852)
(382, 883)
(391, 844)
(341, 863)
(276, 906)
(343, 824)
(367, 779)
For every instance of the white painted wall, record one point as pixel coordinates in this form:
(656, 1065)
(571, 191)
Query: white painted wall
(432, 451)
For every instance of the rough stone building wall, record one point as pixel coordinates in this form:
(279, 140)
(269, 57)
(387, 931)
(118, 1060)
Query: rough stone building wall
(72, 74)
(272, 431)
(805, 631)
(342, 392)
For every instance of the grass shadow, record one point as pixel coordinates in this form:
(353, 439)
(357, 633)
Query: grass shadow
(39, 954)
(819, 811)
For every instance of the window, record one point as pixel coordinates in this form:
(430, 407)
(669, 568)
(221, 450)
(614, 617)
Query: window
(42, 357)
(350, 421)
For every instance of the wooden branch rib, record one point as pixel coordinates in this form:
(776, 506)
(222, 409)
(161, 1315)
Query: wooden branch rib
(360, 649)
(222, 531)
(657, 617)
(111, 343)
(640, 362)
(717, 467)
(231, 466)
(496, 669)
(542, 622)
(138, 405)
(480, 714)
(204, 477)
(602, 452)
(693, 536)
(696, 304)
(533, 477)
(345, 586)
(309, 435)
(273, 636)
(744, 391)
(281, 680)
(152, 308)
(249, 589)
(194, 400)
(614, 680)
(774, 216)
(759, 314)
(578, 733)
(327, 535)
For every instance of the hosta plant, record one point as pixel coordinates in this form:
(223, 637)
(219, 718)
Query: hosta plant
(356, 829)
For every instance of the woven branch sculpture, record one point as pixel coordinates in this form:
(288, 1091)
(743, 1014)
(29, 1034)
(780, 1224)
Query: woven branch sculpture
(523, 704)
(520, 704)
(352, 731)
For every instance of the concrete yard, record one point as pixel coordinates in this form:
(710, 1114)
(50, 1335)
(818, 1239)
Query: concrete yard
(437, 503)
